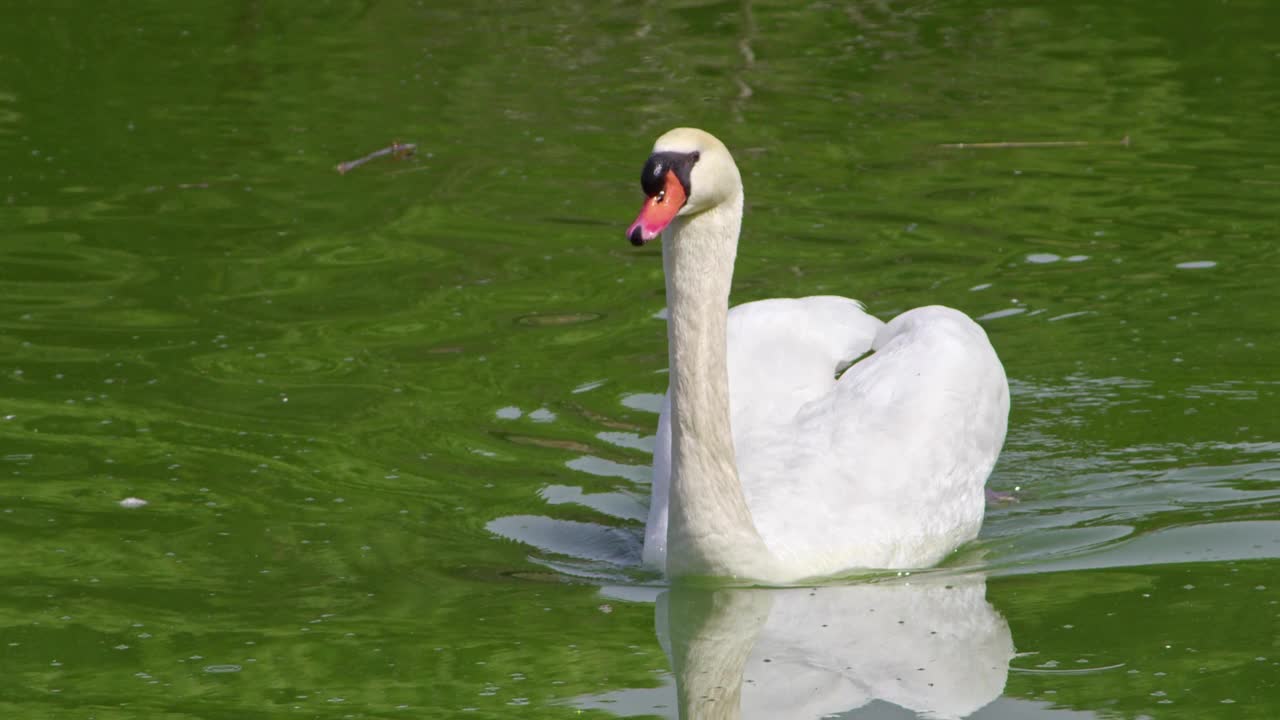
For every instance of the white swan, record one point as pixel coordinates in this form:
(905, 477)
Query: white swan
(883, 467)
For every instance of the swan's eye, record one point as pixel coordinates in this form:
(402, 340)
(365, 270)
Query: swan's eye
(662, 195)
(662, 170)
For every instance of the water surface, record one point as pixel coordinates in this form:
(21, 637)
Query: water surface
(393, 426)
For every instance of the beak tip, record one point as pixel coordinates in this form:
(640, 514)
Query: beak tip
(636, 235)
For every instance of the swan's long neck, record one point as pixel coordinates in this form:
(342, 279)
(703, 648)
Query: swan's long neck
(710, 531)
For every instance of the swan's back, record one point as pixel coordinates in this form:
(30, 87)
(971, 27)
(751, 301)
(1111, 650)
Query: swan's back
(887, 470)
(882, 468)
(782, 354)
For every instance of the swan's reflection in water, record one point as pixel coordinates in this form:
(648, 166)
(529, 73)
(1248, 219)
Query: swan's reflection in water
(931, 644)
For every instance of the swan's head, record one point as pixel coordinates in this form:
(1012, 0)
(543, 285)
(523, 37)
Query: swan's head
(689, 172)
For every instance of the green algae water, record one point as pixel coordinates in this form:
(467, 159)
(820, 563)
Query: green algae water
(392, 427)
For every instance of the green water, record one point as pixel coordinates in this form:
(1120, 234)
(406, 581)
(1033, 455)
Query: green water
(393, 426)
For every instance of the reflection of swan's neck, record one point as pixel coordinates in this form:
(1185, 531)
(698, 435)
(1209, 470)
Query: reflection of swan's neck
(712, 635)
(710, 531)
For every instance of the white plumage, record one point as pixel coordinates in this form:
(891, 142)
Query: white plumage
(805, 474)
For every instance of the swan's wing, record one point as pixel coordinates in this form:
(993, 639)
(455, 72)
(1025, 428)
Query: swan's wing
(782, 354)
(887, 469)
(934, 386)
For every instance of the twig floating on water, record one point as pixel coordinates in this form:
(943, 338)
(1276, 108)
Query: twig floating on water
(1043, 144)
(397, 150)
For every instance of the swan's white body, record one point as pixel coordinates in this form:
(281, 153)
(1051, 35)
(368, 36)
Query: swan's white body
(769, 467)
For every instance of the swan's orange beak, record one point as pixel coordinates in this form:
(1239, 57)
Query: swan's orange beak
(658, 211)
